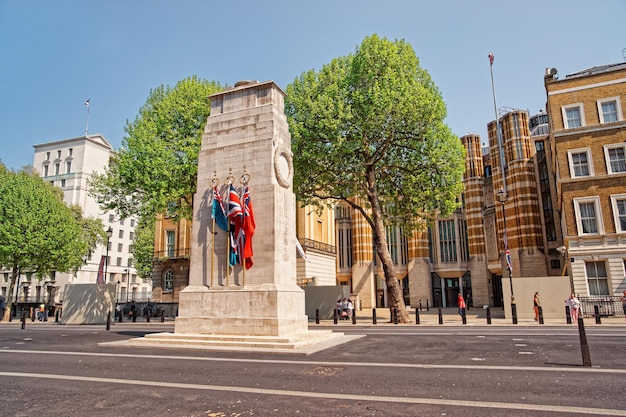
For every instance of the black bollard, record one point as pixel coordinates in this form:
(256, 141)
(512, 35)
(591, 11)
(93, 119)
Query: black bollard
(488, 315)
(354, 316)
(440, 316)
(584, 347)
(23, 318)
(120, 315)
(163, 316)
(56, 316)
(420, 305)
(568, 315)
(33, 314)
(109, 320)
(427, 305)
(463, 316)
(317, 316)
(134, 316)
(540, 315)
(417, 316)
(514, 312)
(335, 314)
(148, 316)
(596, 312)
(373, 316)
(395, 316)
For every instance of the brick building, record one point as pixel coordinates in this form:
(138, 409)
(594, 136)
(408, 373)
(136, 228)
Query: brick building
(589, 139)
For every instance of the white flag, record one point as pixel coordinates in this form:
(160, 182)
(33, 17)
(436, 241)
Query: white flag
(87, 103)
(301, 250)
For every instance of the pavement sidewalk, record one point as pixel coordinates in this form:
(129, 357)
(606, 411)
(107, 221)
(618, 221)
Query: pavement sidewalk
(450, 317)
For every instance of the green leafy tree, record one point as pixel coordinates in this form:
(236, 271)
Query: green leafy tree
(368, 130)
(92, 229)
(157, 164)
(38, 232)
(143, 247)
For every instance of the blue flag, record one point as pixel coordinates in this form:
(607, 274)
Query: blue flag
(217, 210)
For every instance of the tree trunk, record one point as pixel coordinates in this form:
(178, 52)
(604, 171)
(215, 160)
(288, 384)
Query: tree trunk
(396, 299)
(9, 296)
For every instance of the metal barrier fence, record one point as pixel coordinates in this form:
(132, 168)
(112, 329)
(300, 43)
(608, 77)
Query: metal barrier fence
(608, 305)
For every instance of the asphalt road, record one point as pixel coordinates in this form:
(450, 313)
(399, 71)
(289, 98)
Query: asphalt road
(53, 370)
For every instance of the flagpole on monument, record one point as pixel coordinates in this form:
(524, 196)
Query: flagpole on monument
(87, 123)
(229, 180)
(502, 194)
(214, 182)
(244, 181)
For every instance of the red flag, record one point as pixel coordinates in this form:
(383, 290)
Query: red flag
(101, 278)
(491, 57)
(248, 226)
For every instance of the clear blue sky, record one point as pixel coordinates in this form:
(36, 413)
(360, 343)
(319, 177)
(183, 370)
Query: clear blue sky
(54, 55)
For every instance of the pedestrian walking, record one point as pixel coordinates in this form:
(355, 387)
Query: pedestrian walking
(574, 306)
(460, 301)
(536, 305)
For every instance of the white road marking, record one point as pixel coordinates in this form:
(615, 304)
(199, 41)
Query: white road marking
(326, 363)
(328, 395)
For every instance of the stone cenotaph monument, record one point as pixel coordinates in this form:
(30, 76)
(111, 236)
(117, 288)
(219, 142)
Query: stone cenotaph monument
(246, 138)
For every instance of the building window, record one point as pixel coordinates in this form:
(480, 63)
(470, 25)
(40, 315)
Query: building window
(68, 167)
(588, 215)
(59, 153)
(344, 240)
(619, 212)
(573, 116)
(168, 280)
(122, 222)
(609, 110)
(596, 278)
(120, 247)
(615, 158)
(45, 170)
(397, 244)
(47, 156)
(121, 234)
(447, 241)
(169, 239)
(62, 183)
(555, 264)
(580, 164)
(118, 262)
(132, 222)
(57, 167)
(464, 243)
(70, 151)
(131, 235)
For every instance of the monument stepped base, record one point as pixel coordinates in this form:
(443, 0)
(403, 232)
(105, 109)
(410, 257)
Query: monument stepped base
(304, 343)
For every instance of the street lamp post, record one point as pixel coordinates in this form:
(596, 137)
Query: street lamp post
(507, 255)
(106, 257)
(127, 273)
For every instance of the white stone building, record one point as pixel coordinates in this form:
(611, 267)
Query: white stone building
(68, 164)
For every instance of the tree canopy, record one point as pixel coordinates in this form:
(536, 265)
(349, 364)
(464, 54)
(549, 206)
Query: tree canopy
(38, 232)
(155, 170)
(368, 129)
(157, 164)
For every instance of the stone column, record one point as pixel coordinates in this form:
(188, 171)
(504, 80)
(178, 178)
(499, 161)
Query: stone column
(247, 133)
